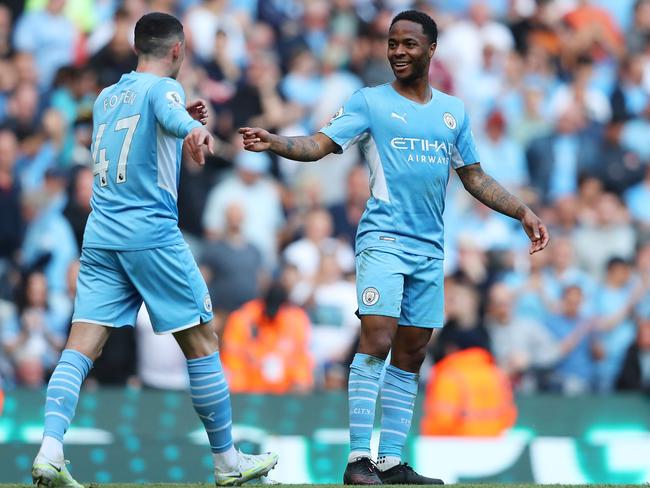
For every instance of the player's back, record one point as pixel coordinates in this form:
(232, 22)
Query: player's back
(136, 166)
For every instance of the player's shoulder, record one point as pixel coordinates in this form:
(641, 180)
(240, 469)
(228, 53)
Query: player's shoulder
(450, 103)
(376, 91)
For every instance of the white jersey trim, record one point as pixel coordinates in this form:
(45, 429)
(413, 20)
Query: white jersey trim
(378, 185)
(166, 156)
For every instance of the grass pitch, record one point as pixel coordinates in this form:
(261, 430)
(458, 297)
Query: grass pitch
(206, 485)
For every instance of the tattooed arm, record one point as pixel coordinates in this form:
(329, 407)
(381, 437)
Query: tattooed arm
(489, 192)
(304, 148)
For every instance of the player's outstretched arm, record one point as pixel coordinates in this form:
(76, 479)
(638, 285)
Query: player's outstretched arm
(489, 192)
(304, 148)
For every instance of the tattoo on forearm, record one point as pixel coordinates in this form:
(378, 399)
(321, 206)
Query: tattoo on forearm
(302, 148)
(488, 191)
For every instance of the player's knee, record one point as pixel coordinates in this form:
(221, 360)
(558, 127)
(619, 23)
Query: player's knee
(377, 343)
(409, 358)
(197, 342)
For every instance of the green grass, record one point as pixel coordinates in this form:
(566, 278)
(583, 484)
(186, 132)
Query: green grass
(205, 485)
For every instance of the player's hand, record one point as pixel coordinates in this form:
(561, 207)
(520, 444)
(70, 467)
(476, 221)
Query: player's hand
(255, 139)
(198, 110)
(536, 231)
(195, 140)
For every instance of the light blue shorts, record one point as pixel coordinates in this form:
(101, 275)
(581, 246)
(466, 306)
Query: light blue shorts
(113, 284)
(405, 286)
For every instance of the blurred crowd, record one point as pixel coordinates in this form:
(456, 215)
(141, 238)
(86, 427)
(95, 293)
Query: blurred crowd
(559, 96)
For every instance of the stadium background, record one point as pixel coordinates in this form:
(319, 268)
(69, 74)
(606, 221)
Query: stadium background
(559, 95)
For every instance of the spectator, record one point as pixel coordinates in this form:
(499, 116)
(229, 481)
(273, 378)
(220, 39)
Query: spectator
(635, 373)
(48, 239)
(159, 361)
(331, 308)
(346, 215)
(204, 21)
(561, 272)
(117, 56)
(467, 394)
(257, 100)
(636, 37)
(22, 112)
(265, 346)
(6, 46)
(501, 157)
(637, 199)
(49, 36)
(461, 46)
(613, 232)
(233, 265)
(523, 349)
(615, 302)
(556, 160)
(259, 198)
(11, 224)
(574, 373)
(462, 320)
(581, 96)
(36, 335)
(305, 254)
(78, 208)
(619, 167)
(630, 98)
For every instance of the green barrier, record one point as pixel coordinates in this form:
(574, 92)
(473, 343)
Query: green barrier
(152, 436)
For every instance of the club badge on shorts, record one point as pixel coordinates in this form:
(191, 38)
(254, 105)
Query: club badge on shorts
(370, 296)
(207, 303)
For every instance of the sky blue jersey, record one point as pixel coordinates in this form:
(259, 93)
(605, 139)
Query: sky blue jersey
(138, 127)
(409, 148)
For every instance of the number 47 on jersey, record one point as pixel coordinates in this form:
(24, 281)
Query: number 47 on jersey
(99, 155)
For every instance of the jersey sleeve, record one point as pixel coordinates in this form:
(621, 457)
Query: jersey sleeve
(168, 101)
(350, 122)
(465, 152)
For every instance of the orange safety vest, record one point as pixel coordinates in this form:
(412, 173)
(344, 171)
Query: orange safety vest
(267, 356)
(468, 395)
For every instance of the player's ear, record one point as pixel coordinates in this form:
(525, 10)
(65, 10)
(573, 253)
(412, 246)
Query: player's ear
(432, 49)
(176, 49)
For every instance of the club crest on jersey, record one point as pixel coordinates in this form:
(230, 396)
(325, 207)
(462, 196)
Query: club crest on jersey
(370, 296)
(449, 120)
(174, 98)
(207, 303)
(338, 113)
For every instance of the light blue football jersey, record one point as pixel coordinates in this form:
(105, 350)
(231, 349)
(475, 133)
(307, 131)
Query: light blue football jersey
(409, 148)
(138, 128)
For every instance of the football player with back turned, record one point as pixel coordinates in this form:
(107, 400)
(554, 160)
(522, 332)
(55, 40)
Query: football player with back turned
(133, 251)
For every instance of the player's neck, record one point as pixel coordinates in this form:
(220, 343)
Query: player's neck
(154, 67)
(417, 90)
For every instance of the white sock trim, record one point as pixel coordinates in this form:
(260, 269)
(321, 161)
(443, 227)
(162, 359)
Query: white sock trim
(227, 461)
(52, 449)
(384, 463)
(354, 455)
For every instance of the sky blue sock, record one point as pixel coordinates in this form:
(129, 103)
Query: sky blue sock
(363, 387)
(211, 400)
(63, 392)
(398, 394)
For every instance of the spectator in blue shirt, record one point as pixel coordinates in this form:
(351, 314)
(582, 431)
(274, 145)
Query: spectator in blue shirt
(50, 36)
(574, 372)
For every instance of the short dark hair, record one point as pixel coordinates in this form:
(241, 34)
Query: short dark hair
(429, 26)
(156, 32)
